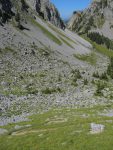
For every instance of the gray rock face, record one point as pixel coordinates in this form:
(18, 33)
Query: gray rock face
(44, 8)
(98, 17)
(48, 11)
(5, 10)
(74, 19)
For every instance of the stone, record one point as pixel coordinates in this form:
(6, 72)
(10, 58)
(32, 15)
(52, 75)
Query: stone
(96, 128)
(3, 131)
(18, 127)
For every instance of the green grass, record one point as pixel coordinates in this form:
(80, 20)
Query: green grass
(46, 32)
(90, 58)
(100, 48)
(103, 50)
(100, 22)
(60, 33)
(67, 43)
(8, 50)
(61, 129)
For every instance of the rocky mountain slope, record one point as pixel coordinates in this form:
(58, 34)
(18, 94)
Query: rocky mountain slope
(45, 9)
(98, 17)
(44, 67)
(56, 88)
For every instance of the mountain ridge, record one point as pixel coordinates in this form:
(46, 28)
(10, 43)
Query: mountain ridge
(97, 18)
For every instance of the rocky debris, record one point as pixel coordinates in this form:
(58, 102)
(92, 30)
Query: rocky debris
(53, 74)
(96, 128)
(13, 119)
(3, 131)
(37, 74)
(108, 113)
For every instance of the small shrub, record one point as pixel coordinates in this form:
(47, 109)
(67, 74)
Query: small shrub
(85, 81)
(110, 68)
(96, 75)
(50, 90)
(104, 76)
(100, 87)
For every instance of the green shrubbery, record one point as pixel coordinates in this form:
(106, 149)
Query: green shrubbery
(110, 68)
(100, 87)
(75, 76)
(103, 76)
(100, 39)
(85, 81)
(51, 90)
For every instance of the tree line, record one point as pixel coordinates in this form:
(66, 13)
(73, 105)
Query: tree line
(100, 39)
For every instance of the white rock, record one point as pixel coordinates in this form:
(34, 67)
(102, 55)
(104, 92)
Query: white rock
(96, 128)
(3, 131)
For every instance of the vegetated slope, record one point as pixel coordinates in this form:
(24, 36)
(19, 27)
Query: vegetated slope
(98, 17)
(42, 66)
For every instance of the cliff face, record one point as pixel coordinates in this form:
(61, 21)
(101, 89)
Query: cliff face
(98, 18)
(44, 8)
(5, 10)
(49, 12)
(74, 19)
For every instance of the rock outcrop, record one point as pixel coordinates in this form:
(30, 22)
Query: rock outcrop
(44, 8)
(97, 18)
(5, 10)
(48, 12)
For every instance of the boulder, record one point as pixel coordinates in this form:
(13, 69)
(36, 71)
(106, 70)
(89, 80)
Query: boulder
(96, 128)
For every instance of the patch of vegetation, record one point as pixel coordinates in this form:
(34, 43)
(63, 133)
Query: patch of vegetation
(60, 33)
(51, 90)
(76, 73)
(75, 76)
(7, 50)
(90, 58)
(100, 86)
(100, 48)
(103, 50)
(110, 68)
(46, 32)
(85, 82)
(100, 39)
(31, 89)
(96, 75)
(100, 22)
(67, 43)
(61, 129)
(103, 76)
